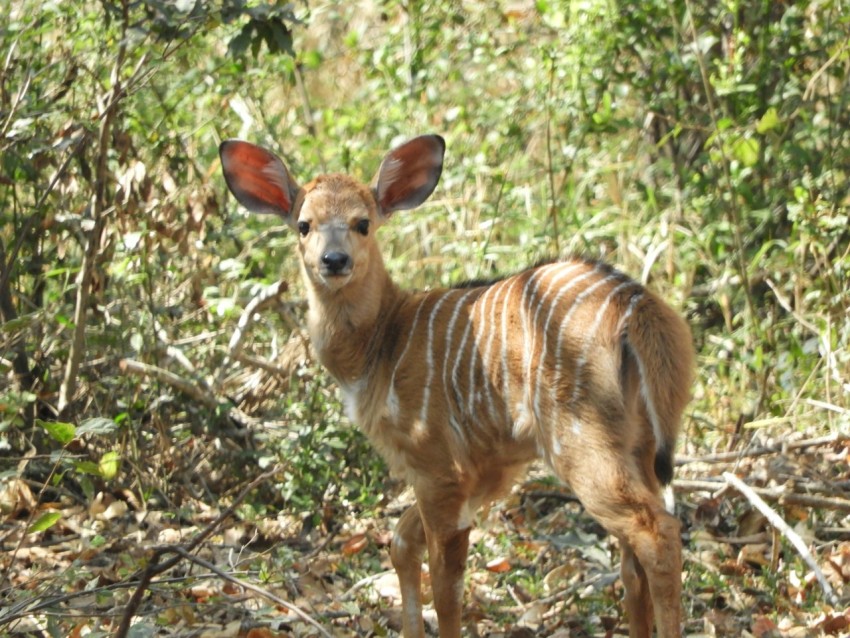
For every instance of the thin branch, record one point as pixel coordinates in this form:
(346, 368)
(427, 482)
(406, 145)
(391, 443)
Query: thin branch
(264, 298)
(363, 582)
(778, 448)
(783, 497)
(250, 587)
(786, 304)
(553, 208)
(98, 212)
(777, 521)
(187, 387)
(155, 567)
(809, 93)
(262, 364)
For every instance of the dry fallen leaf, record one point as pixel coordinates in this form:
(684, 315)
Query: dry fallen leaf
(355, 544)
(498, 565)
(764, 627)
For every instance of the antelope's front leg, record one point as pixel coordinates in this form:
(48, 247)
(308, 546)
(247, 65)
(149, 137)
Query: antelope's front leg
(447, 537)
(406, 553)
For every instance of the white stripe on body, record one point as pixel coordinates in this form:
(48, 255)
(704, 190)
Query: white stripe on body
(450, 328)
(488, 349)
(458, 359)
(393, 405)
(528, 334)
(506, 377)
(476, 348)
(565, 321)
(569, 268)
(525, 420)
(429, 358)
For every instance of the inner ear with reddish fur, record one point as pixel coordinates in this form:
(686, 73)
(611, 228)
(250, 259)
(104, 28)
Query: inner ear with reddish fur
(409, 174)
(257, 178)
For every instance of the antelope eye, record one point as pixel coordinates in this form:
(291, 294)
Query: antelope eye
(362, 227)
(304, 228)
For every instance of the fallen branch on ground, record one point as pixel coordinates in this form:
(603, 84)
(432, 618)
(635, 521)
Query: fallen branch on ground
(725, 457)
(783, 527)
(250, 587)
(155, 567)
(779, 495)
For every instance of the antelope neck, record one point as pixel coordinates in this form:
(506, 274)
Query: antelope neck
(348, 326)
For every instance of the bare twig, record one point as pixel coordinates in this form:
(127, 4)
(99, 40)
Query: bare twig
(786, 305)
(155, 567)
(250, 587)
(170, 378)
(785, 529)
(187, 387)
(363, 582)
(262, 364)
(809, 93)
(778, 448)
(783, 497)
(265, 297)
(98, 213)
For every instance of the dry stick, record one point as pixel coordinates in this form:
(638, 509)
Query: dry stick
(785, 529)
(187, 387)
(29, 607)
(262, 364)
(784, 498)
(266, 296)
(98, 211)
(254, 588)
(170, 378)
(723, 457)
(360, 584)
(155, 567)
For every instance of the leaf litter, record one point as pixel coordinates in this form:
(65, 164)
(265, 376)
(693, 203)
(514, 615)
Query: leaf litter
(537, 563)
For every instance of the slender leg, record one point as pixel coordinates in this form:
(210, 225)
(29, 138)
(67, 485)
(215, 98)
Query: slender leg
(611, 487)
(447, 561)
(638, 601)
(406, 552)
(657, 546)
(447, 537)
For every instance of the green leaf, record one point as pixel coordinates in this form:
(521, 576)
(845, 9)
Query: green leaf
(746, 151)
(769, 121)
(58, 431)
(87, 467)
(724, 123)
(96, 425)
(45, 521)
(281, 40)
(109, 464)
(18, 323)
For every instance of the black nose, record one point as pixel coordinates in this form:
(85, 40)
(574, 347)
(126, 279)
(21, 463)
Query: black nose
(335, 261)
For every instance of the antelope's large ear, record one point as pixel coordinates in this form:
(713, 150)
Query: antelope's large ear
(257, 178)
(409, 173)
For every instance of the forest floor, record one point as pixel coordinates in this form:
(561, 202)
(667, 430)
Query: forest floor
(538, 565)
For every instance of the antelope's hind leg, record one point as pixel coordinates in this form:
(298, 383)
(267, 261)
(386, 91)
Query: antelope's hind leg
(613, 490)
(638, 601)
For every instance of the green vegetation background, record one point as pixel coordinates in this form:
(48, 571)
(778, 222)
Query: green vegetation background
(702, 147)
